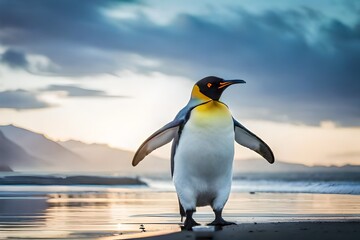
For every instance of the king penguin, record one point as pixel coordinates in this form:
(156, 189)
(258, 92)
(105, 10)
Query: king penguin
(202, 153)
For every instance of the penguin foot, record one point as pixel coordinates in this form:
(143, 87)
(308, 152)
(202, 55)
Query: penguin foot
(189, 221)
(220, 222)
(189, 224)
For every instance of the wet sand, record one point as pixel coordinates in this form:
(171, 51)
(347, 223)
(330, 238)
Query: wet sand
(268, 231)
(113, 212)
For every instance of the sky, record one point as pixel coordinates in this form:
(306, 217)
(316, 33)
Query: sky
(114, 71)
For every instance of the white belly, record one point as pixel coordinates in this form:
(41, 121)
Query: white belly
(204, 159)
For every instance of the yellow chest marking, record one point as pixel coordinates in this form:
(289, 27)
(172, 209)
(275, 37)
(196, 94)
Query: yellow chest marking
(213, 113)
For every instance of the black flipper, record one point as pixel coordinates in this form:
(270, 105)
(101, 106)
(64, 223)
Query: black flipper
(247, 139)
(161, 137)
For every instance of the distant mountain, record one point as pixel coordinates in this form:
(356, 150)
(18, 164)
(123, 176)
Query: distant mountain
(260, 165)
(104, 158)
(54, 155)
(13, 156)
(21, 148)
(4, 168)
(101, 157)
(258, 169)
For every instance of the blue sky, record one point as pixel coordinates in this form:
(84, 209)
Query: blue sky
(72, 58)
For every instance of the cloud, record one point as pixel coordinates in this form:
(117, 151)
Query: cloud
(300, 65)
(14, 59)
(75, 91)
(292, 74)
(20, 99)
(74, 35)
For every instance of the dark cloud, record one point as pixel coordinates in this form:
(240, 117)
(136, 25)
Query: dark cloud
(20, 99)
(75, 91)
(14, 59)
(75, 35)
(292, 75)
(300, 65)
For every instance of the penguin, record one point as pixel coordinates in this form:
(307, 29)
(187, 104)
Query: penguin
(202, 152)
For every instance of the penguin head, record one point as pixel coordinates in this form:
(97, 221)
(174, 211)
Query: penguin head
(212, 87)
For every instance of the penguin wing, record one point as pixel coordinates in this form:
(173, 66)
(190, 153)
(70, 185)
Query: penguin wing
(247, 139)
(159, 138)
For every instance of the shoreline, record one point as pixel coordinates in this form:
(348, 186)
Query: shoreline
(345, 230)
(109, 213)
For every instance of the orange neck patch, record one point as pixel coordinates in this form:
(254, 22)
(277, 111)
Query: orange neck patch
(199, 95)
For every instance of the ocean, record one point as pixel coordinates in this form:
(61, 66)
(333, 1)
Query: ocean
(293, 182)
(114, 211)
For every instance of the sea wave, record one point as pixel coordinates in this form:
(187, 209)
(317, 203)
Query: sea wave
(334, 187)
(252, 186)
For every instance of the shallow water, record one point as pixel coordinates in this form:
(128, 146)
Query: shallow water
(87, 212)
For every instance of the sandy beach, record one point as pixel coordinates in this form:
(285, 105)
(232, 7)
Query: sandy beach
(255, 231)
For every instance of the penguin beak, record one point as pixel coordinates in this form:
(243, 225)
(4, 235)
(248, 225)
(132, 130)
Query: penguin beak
(226, 83)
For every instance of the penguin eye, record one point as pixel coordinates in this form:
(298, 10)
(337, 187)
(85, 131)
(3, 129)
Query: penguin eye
(209, 85)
